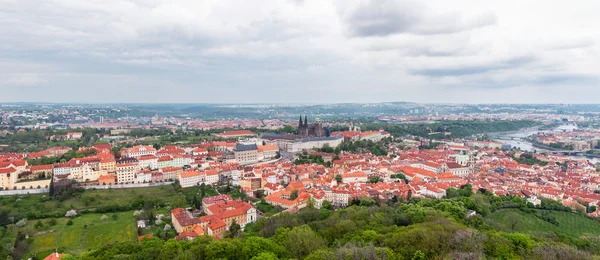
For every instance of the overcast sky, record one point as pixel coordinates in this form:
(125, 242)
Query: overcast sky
(459, 51)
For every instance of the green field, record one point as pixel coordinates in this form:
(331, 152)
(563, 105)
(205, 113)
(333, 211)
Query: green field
(91, 199)
(87, 232)
(569, 224)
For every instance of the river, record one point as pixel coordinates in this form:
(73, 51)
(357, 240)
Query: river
(517, 139)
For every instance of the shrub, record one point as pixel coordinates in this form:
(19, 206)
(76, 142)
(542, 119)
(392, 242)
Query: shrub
(38, 224)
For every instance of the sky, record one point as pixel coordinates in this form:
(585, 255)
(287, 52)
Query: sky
(299, 51)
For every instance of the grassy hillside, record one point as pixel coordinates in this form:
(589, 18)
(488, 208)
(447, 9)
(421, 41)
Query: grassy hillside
(569, 224)
(87, 231)
(27, 205)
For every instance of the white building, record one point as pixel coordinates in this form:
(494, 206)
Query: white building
(126, 172)
(191, 178)
(140, 150)
(314, 142)
(148, 161)
(246, 154)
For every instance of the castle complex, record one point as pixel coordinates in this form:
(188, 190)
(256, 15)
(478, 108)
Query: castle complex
(314, 130)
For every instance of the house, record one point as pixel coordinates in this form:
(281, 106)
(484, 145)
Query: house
(165, 162)
(107, 180)
(219, 199)
(59, 151)
(457, 169)
(141, 224)
(39, 169)
(37, 155)
(240, 212)
(126, 172)
(220, 216)
(61, 169)
(157, 176)
(148, 161)
(246, 153)
(181, 160)
(8, 177)
(171, 173)
(139, 150)
(183, 220)
(283, 199)
(214, 226)
(354, 177)
(143, 176)
(108, 164)
(212, 177)
(267, 151)
(54, 256)
(74, 135)
(191, 178)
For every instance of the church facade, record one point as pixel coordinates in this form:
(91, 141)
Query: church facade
(314, 130)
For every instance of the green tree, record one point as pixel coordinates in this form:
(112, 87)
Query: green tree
(327, 205)
(170, 250)
(265, 256)
(196, 202)
(234, 229)
(302, 240)
(338, 178)
(254, 246)
(151, 217)
(466, 190)
(419, 255)
(374, 179)
(294, 195)
(51, 188)
(4, 218)
(452, 193)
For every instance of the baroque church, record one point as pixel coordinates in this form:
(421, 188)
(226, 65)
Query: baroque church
(314, 130)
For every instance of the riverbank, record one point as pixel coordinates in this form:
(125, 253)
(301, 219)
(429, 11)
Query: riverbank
(521, 139)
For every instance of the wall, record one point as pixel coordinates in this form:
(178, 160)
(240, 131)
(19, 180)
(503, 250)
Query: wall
(34, 184)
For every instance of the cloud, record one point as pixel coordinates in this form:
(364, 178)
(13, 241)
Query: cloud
(389, 17)
(461, 70)
(22, 79)
(296, 50)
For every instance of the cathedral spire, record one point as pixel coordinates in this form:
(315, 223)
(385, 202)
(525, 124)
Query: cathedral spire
(306, 120)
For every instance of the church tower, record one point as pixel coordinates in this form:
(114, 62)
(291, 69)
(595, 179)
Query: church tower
(302, 127)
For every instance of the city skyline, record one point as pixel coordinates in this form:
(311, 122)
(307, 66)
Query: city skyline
(302, 52)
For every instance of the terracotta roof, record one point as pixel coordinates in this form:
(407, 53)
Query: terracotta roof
(214, 222)
(211, 172)
(146, 157)
(53, 256)
(184, 218)
(229, 209)
(7, 170)
(191, 174)
(106, 178)
(140, 238)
